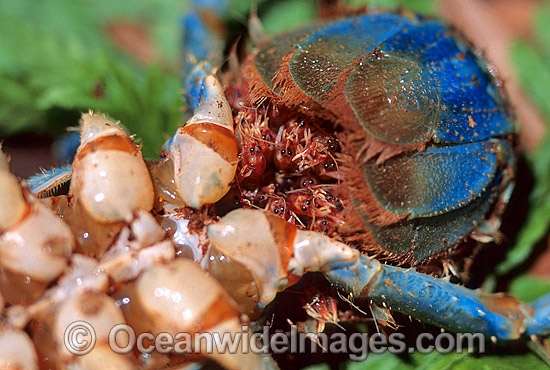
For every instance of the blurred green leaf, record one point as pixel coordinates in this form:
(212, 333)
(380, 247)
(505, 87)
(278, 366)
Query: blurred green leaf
(56, 55)
(420, 6)
(542, 29)
(533, 70)
(452, 361)
(437, 361)
(532, 65)
(527, 288)
(537, 222)
(288, 15)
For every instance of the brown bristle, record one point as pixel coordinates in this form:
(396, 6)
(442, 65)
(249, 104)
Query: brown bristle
(354, 231)
(336, 105)
(289, 93)
(362, 143)
(258, 91)
(356, 182)
(276, 188)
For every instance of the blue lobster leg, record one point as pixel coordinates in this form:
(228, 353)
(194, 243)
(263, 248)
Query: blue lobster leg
(46, 182)
(202, 47)
(276, 254)
(201, 157)
(202, 50)
(441, 303)
(43, 184)
(540, 322)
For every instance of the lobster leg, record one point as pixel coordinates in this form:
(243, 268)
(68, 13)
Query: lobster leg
(540, 322)
(43, 184)
(203, 47)
(253, 239)
(201, 158)
(438, 301)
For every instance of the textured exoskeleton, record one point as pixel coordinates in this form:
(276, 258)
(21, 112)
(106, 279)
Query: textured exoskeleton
(427, 141)
(133, 267)
(381, 134)
(427, 160)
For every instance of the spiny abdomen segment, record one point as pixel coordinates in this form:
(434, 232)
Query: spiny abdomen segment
(401, 79)
(428, 136)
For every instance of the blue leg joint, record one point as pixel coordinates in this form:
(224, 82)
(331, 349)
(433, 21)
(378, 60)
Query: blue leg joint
(442, 303)
(540, 322)
(202, 46)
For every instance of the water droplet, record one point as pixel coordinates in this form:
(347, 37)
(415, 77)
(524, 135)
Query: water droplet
(176, 297)
(187, 314)
(123, 301)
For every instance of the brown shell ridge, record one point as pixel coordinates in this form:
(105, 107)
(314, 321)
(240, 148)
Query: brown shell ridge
(354, 179)
(365, 145)
(336, 109)
(354, 232)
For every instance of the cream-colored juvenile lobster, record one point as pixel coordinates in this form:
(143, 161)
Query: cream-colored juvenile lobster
(135, 276)
(121, 255)
(120, 240)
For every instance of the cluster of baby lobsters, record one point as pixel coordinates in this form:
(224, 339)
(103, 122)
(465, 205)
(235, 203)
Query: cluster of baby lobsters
(98, 255)
(287, 167)
(382, 131)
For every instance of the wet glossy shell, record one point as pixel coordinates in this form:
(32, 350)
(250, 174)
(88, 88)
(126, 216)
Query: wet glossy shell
(427, 143)
(12, 202)
(110, 178)
(17, 351)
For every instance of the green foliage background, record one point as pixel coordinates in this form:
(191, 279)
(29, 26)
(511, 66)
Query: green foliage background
(55, 54)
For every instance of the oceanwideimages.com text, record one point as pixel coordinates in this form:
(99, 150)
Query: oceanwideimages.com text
(80, 339)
